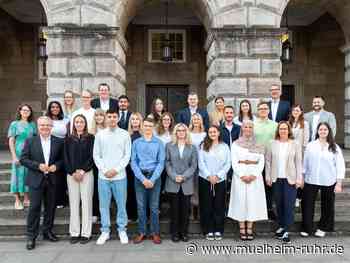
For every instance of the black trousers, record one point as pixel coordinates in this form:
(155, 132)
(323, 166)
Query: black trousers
(212, 206)
(95, 201)
(47, 194)
(268, 193)
(61, 189)
(131, 204)
(310, 192)
(179, 216)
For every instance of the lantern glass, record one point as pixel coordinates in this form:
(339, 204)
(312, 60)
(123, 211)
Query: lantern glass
(287, 52)
(42, 54)
(167, 56)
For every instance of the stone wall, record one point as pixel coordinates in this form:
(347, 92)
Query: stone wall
(18, 71)
(318, 67)
(141, 73)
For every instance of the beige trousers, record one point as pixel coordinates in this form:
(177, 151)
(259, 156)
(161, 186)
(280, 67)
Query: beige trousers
(80, 191)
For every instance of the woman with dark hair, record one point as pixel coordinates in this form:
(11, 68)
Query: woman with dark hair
(157, 110)
(19, 131)
(284, 174)
(213, 162)
(60, 130)
(78, 160)
(245, 113)
(324, 170)
(301, 133)
(217, 115)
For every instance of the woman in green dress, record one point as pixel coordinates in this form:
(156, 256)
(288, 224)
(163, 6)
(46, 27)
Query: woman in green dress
(20, 129)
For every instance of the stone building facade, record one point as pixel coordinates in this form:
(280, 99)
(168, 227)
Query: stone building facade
(233, 49)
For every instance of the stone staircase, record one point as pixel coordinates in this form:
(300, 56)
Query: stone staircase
(12, 222)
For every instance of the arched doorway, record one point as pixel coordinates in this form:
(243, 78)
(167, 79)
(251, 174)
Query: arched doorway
(317, 65)
(147, 76)
(22, 73)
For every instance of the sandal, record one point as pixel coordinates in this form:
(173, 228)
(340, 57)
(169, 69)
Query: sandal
(242, 233)
(250, 234)
(26, 203)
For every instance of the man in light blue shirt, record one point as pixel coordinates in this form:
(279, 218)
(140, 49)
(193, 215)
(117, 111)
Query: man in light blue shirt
(147, 162)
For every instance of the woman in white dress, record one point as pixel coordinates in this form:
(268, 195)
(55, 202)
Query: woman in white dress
(197, 133)
(247, 199)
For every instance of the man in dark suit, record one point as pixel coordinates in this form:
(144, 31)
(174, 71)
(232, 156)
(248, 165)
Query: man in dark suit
(104, 101)
(43, 156)
(184, 115)
(124, 113)
(279, 109)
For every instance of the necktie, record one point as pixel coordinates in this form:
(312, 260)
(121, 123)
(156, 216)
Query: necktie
(122, 119)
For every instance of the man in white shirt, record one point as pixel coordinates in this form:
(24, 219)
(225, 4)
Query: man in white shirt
(85, 110)
(320, 115)
(43, 156)
(279, 109)
(104, 101)
(112, 151)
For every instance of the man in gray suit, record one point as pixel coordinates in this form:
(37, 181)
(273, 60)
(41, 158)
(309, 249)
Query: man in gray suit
(319, 115)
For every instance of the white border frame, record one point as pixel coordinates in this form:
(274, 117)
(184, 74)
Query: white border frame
(182, 31)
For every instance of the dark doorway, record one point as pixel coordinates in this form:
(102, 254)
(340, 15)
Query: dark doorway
(288, 93)
(174, 97)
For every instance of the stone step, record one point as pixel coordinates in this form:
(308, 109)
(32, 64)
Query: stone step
(17, 227)
(6, 198)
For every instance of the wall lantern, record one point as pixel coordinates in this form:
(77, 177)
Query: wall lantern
(167, 52)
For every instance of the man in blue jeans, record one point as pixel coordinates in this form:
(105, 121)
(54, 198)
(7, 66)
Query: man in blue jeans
(147, 162)
(112, 150)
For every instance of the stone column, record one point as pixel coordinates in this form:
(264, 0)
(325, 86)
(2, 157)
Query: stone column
(82, 57)
(346, 51)
(243, 63)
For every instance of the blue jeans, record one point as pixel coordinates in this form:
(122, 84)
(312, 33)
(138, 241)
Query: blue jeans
(144, 198)
(119, 190)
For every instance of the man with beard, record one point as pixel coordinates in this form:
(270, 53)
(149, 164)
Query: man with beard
(319, 115)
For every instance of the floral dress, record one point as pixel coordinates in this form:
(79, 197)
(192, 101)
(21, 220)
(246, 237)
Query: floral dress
(20, 131)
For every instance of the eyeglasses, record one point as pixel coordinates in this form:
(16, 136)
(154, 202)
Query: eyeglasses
(263, 108)
(86, 97)
(181, 130)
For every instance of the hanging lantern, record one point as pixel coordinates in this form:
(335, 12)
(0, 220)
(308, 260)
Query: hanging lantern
(42, 54)
(287, 49)
(167, 53)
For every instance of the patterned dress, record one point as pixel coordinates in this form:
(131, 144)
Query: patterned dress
(20, 131)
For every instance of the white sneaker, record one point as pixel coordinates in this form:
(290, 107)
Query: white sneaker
(210, 236)
(320, 233)
(94, 219)
(217, 236)
(123, 237)
(304, 234)
(103, 238)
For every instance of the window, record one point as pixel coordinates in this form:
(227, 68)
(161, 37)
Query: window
(157, 40)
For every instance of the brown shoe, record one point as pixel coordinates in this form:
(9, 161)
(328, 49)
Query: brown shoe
(139, 238)
(156, 239)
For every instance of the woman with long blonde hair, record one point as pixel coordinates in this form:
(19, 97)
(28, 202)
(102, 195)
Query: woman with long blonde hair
(181, 166)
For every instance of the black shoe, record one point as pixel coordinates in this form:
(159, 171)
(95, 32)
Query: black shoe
(272, 216)
(50, 236)
(279, 233)
(175, 238)
(30, 244)
(74, 240)
(184, 238)
(85, 240)
(285, 238)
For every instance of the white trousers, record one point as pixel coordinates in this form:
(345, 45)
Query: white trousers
(80, 191)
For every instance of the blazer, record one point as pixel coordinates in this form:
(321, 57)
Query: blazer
(226, 134)
(125, 125)
(113, 104)
(293, 170)
(78, 153)
(283, 111)
(325, 116)
(32, 155)
(184, 116)
(185, 166)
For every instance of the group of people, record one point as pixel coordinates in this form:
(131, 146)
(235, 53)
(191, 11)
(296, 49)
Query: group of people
(209, 166)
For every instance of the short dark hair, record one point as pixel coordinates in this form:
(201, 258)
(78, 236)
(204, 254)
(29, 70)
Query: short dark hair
(263, 102)
(123, 97)
(229, 107)
(112, 111)
(319, 97)
(148, 120)
(192, 93)
(103, 84)
(219, 98)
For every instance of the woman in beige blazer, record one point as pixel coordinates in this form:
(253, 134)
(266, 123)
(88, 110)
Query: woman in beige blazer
(284, 174)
